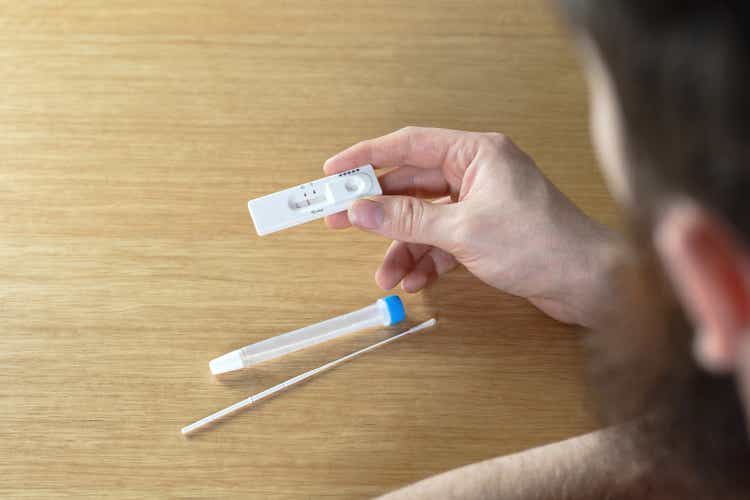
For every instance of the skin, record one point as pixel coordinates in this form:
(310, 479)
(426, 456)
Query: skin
(550, 251)
(507, 224)
(707, 262)
(580, 468)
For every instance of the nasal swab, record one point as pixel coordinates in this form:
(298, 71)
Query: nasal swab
(299, 378)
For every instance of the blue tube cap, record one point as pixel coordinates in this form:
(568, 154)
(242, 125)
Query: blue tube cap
(396, 311)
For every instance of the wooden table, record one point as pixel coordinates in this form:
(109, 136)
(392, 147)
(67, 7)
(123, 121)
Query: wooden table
(131, 136)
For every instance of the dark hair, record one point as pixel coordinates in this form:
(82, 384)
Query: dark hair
(681, 72)
(681, 75)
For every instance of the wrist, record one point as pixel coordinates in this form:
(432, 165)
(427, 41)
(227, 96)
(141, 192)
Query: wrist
(593, 290)
(577, 289)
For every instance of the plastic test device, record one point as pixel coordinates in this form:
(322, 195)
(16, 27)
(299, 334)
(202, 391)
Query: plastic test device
(313, 200)
(386, 311)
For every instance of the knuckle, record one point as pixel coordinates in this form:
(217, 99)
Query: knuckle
(407, 130)
(496, 137)
(365, 145)
(409, 217)
(499, 142)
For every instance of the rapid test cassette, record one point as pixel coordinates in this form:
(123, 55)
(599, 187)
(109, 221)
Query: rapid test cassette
(312, 200)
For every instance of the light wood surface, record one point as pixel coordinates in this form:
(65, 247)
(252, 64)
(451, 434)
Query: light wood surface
(131, 136)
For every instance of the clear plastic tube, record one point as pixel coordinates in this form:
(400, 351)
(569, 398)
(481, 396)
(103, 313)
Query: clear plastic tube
(188, 429)
(386, 311)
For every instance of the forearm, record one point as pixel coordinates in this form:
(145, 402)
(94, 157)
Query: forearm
(594, 466)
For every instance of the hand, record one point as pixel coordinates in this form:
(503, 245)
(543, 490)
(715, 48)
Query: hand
(500, 217)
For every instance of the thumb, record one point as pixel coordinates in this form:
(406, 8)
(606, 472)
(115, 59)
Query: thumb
(404, 218)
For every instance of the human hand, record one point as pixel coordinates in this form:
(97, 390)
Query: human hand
(500, 217)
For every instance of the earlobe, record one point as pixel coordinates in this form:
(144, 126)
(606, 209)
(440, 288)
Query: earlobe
(707, 266)
(711, 353)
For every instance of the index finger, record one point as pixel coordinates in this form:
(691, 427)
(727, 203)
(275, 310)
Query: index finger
(410, 146)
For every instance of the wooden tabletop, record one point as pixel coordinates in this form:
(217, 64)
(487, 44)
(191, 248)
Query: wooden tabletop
(132, 135)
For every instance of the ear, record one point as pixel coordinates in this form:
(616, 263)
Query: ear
(710, 270)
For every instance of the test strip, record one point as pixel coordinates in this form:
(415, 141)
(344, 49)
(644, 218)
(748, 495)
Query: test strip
(295, 380)
(313, 200)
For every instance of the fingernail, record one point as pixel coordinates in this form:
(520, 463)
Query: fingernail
(366, 214)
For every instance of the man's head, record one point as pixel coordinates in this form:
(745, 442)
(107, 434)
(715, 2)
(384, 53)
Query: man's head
(670, 103)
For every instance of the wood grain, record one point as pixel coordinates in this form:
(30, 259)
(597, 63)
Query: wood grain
(131, 136)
